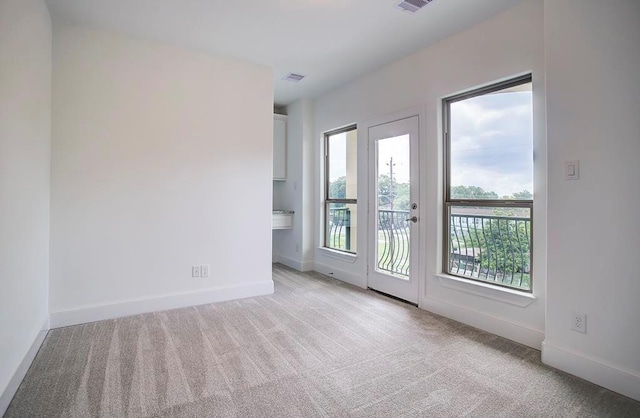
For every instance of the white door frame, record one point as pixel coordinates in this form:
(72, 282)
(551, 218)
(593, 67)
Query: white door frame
(420, 227)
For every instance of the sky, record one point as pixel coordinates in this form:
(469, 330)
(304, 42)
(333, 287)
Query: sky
(491, 145)
(397, 147)
(338, 157)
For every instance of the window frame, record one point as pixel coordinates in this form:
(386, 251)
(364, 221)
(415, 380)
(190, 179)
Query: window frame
(449, 202)
(327, 199)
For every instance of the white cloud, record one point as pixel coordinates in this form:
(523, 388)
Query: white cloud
(491, 142)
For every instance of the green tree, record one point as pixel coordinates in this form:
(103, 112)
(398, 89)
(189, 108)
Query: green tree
(397, 194)
(501, 242)
(338, 188)
(523, 195)
(505, 245)
(472, 192)
(403, 197)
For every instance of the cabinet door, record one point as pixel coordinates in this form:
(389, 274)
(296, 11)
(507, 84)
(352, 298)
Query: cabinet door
(279, 148)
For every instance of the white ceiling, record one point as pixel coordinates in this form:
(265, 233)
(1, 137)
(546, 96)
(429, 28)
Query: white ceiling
(330, 41)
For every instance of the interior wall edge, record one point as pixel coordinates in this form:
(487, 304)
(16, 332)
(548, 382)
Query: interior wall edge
(82, 315)
(502, 327)
(592, 369)
(19, 374)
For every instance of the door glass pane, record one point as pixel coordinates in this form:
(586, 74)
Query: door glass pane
(393, 208)
(342, 227)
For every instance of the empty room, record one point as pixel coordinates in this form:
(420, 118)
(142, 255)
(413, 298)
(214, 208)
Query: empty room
(331, 208)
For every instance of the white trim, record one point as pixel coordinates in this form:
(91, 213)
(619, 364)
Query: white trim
(502, 294)
(295, 264)
(11, 389)
(514, 331)
(406, 121)
(625, 382)
(93, 313)
(280, 116)
(418, 110)
(338, 255)
(354, 279)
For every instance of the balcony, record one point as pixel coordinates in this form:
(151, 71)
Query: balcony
(393, 238)
(491, 248)
(486, 247)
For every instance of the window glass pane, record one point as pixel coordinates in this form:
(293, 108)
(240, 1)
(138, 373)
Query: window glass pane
(341, 227)
(343, 165)
(492, 145)
(491, 244)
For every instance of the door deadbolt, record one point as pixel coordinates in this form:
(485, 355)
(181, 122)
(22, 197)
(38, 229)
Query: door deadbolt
(414, 206)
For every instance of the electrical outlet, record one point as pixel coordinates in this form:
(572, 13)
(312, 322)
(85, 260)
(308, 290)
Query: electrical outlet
(195, 271)
(579, 322)
(204, 270)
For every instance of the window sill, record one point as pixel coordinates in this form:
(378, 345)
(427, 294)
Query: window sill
(486, 290)
(338, 255)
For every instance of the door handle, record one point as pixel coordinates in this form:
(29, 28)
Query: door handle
(413, 219)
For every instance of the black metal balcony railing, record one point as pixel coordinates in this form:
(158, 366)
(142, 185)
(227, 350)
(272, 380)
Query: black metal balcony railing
(339, 229)
(483, 247)
(393, 241)
(491, 248)
(393, 237)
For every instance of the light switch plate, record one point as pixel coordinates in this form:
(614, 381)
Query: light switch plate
(195, 271)
(204, 270)
(572, 170)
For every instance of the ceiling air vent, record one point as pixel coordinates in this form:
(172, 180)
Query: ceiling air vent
(293, 77)
(412, 6)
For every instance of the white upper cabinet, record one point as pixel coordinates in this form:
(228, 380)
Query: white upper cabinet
(279, 147)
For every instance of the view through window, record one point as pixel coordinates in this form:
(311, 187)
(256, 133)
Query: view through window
(489, 184)
(341, 190)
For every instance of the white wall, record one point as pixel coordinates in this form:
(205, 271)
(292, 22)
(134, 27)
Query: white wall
(162, 159)
(593, 105)
(506, 45)
(25, 137)
(295, 247)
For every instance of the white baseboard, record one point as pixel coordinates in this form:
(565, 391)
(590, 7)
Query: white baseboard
(594, 370)
(11, 389)
(134, 307)
(295, 264)
(354, 279)
(513, 331)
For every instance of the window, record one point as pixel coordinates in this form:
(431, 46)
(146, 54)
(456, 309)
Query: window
(489, 183)
(341, 189)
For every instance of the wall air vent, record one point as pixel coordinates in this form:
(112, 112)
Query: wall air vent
(412, 6)
(293, 77)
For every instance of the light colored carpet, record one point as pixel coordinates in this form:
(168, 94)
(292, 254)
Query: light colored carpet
(317, 347)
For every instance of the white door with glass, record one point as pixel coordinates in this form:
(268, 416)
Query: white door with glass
(394, 208)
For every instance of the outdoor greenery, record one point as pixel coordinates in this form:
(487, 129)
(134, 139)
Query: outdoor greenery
(506, 243)
(471, 192)
(393, 194)
(390, 194)
(475, 192)
(338, 188)
(503, 239)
